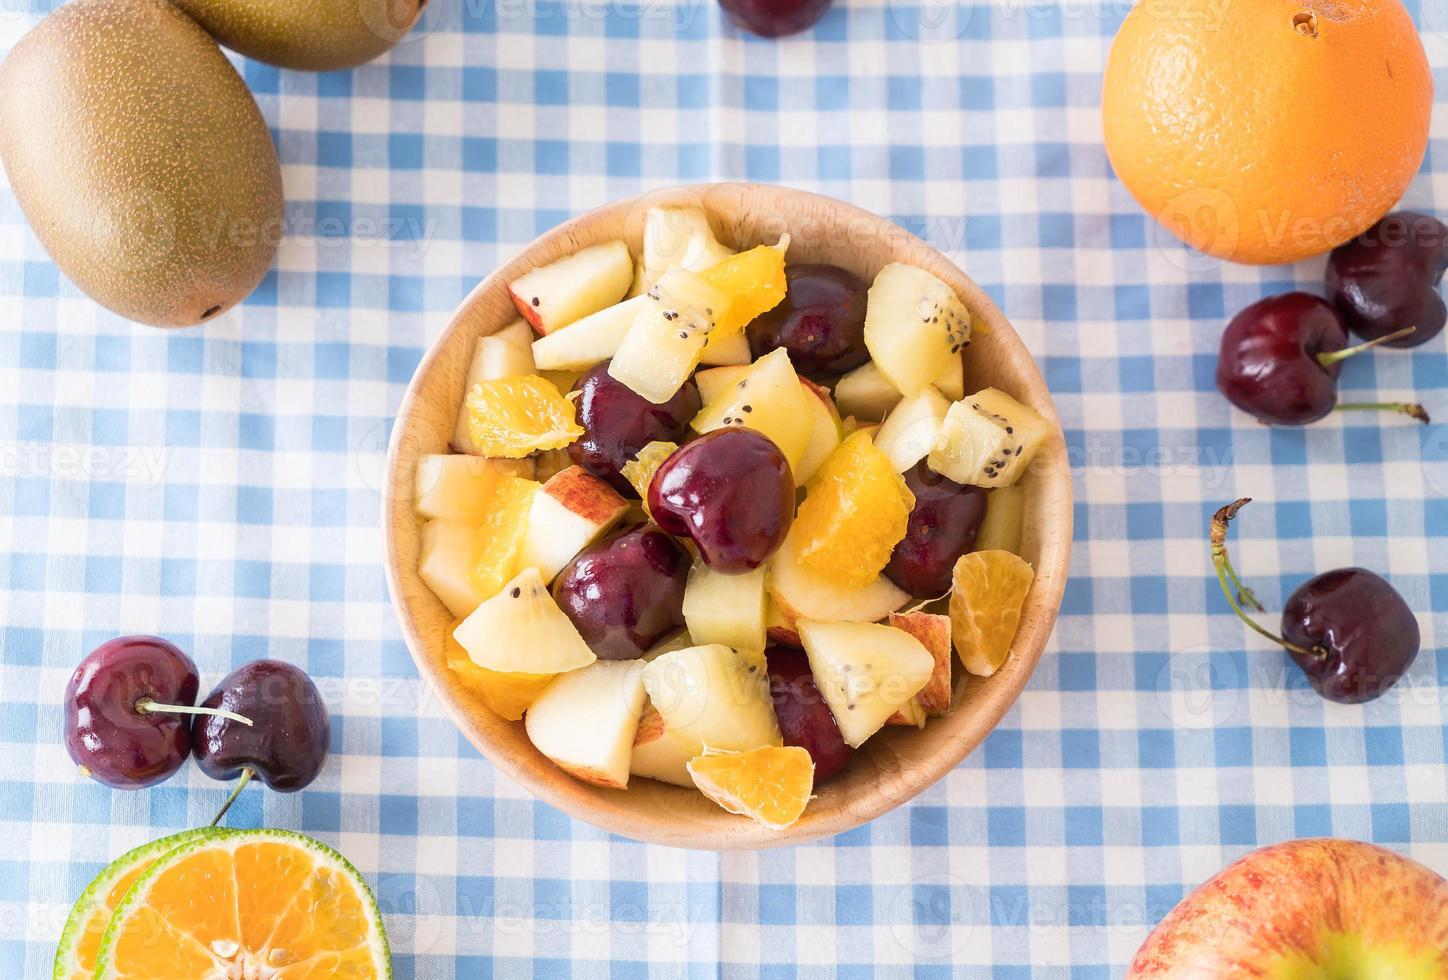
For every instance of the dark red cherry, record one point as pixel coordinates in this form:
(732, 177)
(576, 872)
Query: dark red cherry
(804, 718)
(617, 423)
(1280, 359)
(942, 527)
(775, 18)
(1350, 631)
(287, 741)
(117, 726)
(821, 322)
(1387, 278)
(1356, 635)
(625, 593)
(732, 492)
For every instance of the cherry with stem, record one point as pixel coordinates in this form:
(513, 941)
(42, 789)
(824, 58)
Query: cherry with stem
(1281, 356)
(1349, 631)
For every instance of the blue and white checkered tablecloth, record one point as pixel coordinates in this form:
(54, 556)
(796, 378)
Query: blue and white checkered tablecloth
(220, 486)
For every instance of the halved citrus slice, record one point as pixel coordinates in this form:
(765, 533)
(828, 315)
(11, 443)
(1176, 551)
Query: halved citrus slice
(770, 784)
(856, 509)
(512, 417)
(247, 903)
(80, 940)
(988, 590)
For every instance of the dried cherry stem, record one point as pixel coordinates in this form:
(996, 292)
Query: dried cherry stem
(1226, 575)
(150, 705)
(1328, 358)
(246, 775)
(1410, 409)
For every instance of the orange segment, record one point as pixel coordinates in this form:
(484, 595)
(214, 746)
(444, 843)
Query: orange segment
(509, 694)
(755, 280)
(265, 861)
(501, 535)
(855, 511)
(154, 950)
(247, 904)
(80, 941)
(512, 417)
(987, 593)
(771, 784)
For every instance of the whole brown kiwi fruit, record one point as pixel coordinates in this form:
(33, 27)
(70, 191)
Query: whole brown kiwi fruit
(316, 35)
(140, 159)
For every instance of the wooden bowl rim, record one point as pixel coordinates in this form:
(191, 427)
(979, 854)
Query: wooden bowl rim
(609, 809)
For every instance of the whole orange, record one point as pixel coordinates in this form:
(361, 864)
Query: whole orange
(1266, 131)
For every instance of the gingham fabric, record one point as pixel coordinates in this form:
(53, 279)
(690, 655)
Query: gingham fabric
(219, 486)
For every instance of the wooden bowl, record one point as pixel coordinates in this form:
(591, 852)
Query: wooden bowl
(892, 766)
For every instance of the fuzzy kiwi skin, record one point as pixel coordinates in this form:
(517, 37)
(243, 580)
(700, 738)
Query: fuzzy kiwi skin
(314, 35)
(140, 159)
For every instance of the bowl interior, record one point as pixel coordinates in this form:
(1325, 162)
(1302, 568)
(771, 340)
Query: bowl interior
(895, 764)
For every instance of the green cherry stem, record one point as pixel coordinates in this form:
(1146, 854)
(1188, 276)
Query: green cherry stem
(1410, 409)
(1226, 576)
(150, 705)
(246, 775)
(1328, 358)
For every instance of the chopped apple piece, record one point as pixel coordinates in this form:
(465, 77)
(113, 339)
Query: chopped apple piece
(657, 754)
(557, 294)
(798, 593)
(865, 672)
(663, 344)
(933, 632)
(713, 697)
(522, 630)
(498, 355)
(777, 629)
(676, 238)
(1000, 529)
(988, 440)
(445, 564)
(588, 341)
(459, 487)
(914, 325)
(824, 434)
(571, 511)
(586, 720)
(866, 394)
(910, 430)
(770, 400)
(727, 609)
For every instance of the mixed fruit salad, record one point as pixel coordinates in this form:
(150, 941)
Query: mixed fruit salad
(716, 520)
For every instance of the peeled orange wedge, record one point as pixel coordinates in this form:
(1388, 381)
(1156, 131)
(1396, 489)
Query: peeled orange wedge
(80, 941)
(986, 595)
(771, 784)
(512, 417)
(755, 283)
(249, 903)
(856, 509)
(501, 536)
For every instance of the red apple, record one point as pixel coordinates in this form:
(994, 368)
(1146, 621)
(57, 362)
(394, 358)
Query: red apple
(1304, 909)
